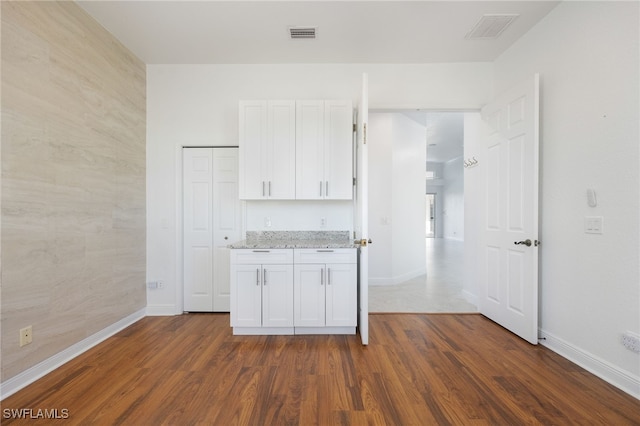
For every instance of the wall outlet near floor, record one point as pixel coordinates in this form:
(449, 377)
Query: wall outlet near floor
(631, 341)
(154, 285)
(26, 335)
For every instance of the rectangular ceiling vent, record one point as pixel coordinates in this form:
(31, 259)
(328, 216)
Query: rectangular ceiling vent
(490, 27)
(302, 32)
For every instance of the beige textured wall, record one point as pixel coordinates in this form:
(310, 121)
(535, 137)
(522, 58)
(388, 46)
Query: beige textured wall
(73, 180)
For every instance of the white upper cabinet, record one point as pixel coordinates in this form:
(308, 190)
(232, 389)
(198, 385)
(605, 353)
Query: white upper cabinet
(296, 150)
(324, 132)
(267, 150)
(310, 180)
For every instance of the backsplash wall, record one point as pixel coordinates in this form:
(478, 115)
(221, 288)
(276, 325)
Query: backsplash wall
(298, 215)
(73, 180)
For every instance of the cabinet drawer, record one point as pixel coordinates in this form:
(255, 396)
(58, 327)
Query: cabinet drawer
(325, 256)
(262, 256)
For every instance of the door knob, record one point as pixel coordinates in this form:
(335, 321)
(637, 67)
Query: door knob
(526, 242)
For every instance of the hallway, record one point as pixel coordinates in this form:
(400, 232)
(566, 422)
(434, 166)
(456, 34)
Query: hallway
(440, 290)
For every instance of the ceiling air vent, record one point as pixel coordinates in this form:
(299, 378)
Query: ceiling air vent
(302, 32)
(490, 26)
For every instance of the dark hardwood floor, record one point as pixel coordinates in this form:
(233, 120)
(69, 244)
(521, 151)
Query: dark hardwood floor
(418, 369)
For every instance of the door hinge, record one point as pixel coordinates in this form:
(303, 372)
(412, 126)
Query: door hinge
(364, 131)
(354, 181)
(355, 127)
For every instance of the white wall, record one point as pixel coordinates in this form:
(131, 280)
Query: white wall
(453, 199)
(408, 201)
(198, 105)
(473, 193)
(588, 57)
(397, 205)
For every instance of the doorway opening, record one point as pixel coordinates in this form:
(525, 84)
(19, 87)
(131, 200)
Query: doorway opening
(440, 285)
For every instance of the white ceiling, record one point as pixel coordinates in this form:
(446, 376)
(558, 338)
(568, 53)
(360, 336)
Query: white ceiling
(226, 32)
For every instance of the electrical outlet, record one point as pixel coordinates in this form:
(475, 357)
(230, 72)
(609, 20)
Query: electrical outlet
(154, 285)
(26, 335)
(631, 341)
(323, 222)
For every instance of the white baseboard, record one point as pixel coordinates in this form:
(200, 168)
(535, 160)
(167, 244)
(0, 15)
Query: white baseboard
(397, 279)
(161, 310)
(470, 297)
(623, 380)
(14, 384)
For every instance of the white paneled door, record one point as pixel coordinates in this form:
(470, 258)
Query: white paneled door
(361, 209)
(211, 212)
(509, 260)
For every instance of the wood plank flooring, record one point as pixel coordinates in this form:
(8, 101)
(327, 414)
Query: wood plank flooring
(419, 369)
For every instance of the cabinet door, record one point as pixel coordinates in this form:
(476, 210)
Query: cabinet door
(277, 296)
(341, 305)
(281, 151)
(338, 150)
(310, 181)
(246, 295)
(253, 119)
(309, 293)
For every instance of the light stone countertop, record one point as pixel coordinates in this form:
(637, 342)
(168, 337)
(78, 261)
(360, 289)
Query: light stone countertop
(295, 240)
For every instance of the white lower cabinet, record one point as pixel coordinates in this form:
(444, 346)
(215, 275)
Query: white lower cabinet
(325, 291)
(262, 291)
(299, 291)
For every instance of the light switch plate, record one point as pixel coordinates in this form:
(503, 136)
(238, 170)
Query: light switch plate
(593, 224)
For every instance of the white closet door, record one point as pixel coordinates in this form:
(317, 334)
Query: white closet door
(198, 232)
(211, 212)
(226, 221)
